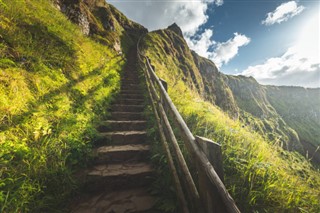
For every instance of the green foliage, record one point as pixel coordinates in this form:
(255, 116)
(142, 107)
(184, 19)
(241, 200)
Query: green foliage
(261, 176)
(299, 107)
(163, 186)
(55, 84)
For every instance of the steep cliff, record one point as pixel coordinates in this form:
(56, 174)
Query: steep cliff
(200, 74)
(235, 111)
(239, 96)
(102, 21)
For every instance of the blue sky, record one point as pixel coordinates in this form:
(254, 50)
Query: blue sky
(277, 42)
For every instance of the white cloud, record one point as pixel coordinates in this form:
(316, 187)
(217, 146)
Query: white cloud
(299, 65)
(291, 68)
(219, 53)
(225, 51)
(189, 15)
(202, 43)
(282, 13)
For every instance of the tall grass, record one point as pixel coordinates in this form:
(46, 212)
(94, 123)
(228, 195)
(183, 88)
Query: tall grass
(55, 85)
(260, 175)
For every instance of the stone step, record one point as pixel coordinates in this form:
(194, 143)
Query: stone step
(123, 201)
(124, 116)
(123, 137)
(129, 101)
(131, 96)
(107, 177)
(131, 87)
(129, 82)
(130, 78)
(122, 153)
(128, 91)
(127, 108)
(134, 125)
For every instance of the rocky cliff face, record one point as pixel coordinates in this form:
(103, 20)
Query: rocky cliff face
(200, 73)
(216, 89)
(102, 21)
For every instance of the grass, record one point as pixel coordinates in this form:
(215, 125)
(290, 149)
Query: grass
(260, 175)
(55, 85)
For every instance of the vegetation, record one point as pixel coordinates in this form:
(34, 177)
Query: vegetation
(261, 176)
(55, 84)
(299, 108)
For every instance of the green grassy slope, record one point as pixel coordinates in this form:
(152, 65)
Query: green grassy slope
(299, 108)
(239, 96)
(287, 114)
(261, 176)
(55, 86)
(260, 114)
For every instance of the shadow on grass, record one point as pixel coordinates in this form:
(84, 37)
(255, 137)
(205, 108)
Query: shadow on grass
(78, 100)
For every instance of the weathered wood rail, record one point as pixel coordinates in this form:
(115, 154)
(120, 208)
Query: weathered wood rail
(205, 191)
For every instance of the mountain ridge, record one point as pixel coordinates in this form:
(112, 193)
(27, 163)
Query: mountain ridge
(260, 170)
(60, 67)
(244, 98)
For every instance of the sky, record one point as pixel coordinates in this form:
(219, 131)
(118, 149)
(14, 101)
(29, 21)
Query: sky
(275, 41)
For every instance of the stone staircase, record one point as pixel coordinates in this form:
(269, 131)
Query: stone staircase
(119, 180)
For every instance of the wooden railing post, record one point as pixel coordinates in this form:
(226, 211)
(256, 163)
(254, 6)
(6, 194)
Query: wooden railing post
(214, 154)
(208, 192)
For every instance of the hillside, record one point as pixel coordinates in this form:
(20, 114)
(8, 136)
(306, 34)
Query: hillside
(288, 112)
(299, 108)
(244, 98)
(236, 112)
(60, 66)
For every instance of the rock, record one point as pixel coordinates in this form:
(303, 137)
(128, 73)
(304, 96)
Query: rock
(175, 28)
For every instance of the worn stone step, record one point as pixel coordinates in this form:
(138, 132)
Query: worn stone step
(131, 86)
(123, 201)
(131, 78)
(127, 108)
(131, 96)
(129, 101)
(123, 137)
(122, 153)
(118, 176)
(129, 91)
(125, 116)
(130, 81)
(134, 125)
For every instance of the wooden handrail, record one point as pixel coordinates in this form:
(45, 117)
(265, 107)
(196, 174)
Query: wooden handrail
(197, 154)
(154, 101)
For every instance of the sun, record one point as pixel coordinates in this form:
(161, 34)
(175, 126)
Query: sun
(307, 43)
